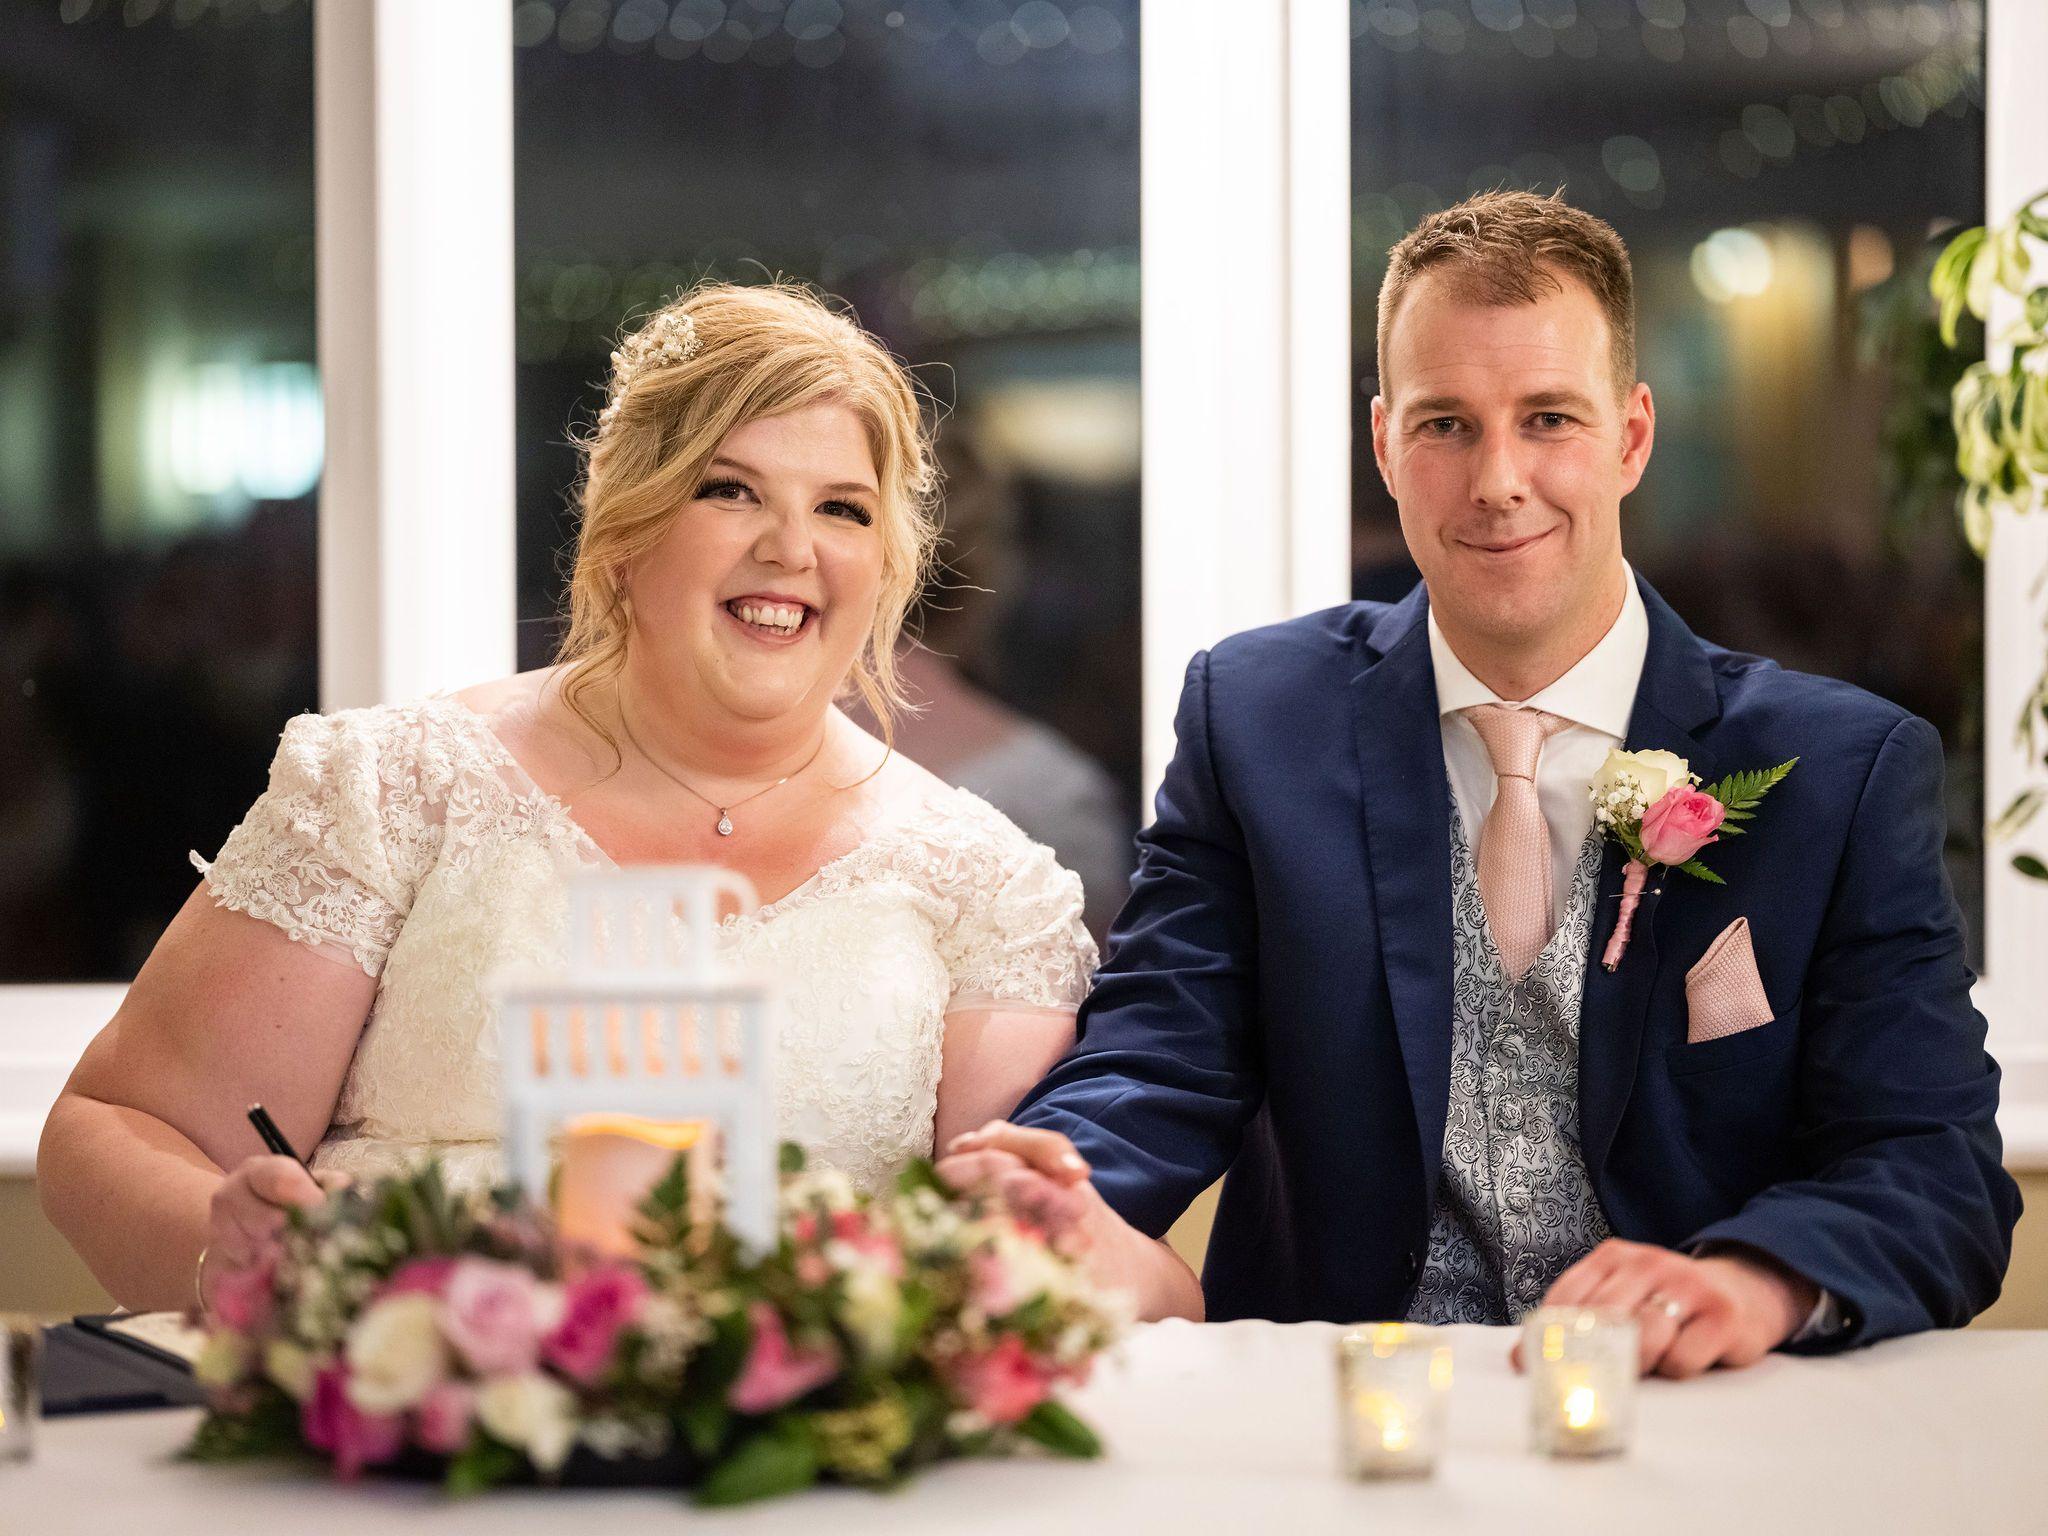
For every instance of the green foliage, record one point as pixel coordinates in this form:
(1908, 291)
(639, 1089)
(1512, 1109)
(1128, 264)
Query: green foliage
(2000, 410)
(270, 1428)
(482, 1465)
(1740, 792)
(1059, 1431)
(1700, 871)
(781, 1458)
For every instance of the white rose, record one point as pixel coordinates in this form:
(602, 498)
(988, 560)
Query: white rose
(291, 1367)
(533, 1412)
(874, 1307)
(396, 1354)
(1654, 772)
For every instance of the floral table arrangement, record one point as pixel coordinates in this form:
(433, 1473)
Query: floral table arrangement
(412, 1328)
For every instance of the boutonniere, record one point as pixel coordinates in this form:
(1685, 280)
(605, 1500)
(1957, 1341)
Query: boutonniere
(1651, 804)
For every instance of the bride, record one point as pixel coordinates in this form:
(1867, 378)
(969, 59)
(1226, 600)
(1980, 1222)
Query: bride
(756, 518)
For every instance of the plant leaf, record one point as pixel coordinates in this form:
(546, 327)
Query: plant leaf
(781, 1459)
(2030, 866)
(1700, 871)
(483, 1465)
(270, 1428)
(1055, 1428)
(1741, 791)
(702, 1421)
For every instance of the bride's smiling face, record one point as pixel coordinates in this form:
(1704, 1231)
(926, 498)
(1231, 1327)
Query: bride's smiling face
(763, 590)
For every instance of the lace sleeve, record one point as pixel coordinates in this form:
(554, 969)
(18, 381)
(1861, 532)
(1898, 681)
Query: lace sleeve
(1018, 937)
(334, 849)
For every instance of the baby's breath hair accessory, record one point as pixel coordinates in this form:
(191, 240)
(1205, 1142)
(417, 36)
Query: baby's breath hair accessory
(669, 338)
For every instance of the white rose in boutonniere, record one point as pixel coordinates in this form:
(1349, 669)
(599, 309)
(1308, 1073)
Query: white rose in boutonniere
(1647, 774)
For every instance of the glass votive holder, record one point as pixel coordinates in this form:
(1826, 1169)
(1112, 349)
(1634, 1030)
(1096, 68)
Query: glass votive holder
(1393, 1380)
(1582, 1379)
(21, 1386)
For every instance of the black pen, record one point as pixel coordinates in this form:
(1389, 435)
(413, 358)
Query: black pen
(273, 1138)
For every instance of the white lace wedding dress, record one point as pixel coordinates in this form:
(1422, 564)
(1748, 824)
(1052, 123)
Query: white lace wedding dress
(407, 840)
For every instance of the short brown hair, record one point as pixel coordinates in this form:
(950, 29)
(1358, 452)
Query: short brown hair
(1510, 248)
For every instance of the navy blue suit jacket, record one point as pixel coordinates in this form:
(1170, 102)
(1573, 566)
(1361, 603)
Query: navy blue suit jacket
(1276, 1001)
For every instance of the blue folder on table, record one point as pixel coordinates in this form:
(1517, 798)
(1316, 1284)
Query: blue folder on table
(89, 1368)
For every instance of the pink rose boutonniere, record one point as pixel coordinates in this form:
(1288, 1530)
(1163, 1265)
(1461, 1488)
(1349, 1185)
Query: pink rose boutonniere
(1651, 804)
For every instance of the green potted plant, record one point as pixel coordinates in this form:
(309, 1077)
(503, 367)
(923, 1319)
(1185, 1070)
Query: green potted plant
(2000, 411)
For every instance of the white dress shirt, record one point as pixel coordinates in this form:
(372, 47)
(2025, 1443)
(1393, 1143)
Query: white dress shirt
(1596, 696)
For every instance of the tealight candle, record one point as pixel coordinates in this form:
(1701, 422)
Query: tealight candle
(610, 1162)
(1392, 1383)
(21, 1393)
(1582, 1379)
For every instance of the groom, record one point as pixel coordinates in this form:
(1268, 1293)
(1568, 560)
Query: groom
(1360, 965)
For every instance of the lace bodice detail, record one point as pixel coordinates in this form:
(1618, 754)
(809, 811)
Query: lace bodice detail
(407, 841)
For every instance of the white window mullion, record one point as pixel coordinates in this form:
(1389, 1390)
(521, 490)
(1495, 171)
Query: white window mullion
(1245, 211)
(413, 175)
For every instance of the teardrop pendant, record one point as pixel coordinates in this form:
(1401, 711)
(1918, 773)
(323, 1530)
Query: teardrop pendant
(724, 825)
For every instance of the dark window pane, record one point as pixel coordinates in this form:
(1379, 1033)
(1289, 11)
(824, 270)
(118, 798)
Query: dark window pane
(966, 174)
(159, 453)
(1783, 175)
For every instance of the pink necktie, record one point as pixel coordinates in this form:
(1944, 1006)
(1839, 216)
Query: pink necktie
(1514, 842)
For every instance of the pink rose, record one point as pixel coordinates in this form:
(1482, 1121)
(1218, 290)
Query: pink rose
(1002, 1384)
(241, 1298)
(355, 1439)
(428, 1277)
(442, 1419)
(596, 1306)
(1680, 824)
(990, 1287)
(775, 1373)
(495, 1316)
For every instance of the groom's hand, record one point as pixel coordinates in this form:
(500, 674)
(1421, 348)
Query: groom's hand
(1728, 1309)
(1036, 1173)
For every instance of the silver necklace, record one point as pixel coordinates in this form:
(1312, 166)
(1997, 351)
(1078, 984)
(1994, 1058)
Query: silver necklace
(724, 826)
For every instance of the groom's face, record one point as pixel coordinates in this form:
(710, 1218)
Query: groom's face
(1504, 439)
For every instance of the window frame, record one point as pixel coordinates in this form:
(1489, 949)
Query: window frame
(1246, 405)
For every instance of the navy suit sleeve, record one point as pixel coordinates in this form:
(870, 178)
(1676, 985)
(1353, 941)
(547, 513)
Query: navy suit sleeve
(1903, 1210)
(1156, 1090)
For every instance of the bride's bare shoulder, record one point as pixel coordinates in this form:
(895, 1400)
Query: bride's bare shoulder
(525, 711)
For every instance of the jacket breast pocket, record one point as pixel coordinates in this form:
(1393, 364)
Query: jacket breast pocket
(1739, 1049)
(1739, 1098)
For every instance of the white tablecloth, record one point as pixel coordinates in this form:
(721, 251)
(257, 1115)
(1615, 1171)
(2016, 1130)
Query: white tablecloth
(1231, 1428)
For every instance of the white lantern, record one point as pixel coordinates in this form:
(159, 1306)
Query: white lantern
(646, 1020)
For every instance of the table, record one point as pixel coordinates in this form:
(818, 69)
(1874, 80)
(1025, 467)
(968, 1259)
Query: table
(1231, 1427)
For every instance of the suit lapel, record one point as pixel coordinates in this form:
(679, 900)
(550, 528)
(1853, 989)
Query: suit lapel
(1674, 699)
(1406, 804)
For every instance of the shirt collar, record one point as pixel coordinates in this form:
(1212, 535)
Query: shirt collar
(1599, 691)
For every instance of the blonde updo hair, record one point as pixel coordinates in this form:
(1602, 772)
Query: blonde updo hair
(713, 359)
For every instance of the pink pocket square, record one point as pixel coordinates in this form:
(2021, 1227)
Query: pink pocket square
(1723, 993)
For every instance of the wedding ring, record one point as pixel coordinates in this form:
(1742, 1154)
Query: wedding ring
(1666, 1305)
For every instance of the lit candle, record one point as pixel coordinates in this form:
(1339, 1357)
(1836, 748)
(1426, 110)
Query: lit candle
(1392, 1381)
(1582, 1380)
(610, 1162)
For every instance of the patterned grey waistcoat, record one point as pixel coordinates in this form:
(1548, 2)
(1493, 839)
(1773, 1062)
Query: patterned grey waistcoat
(1515, 1207)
